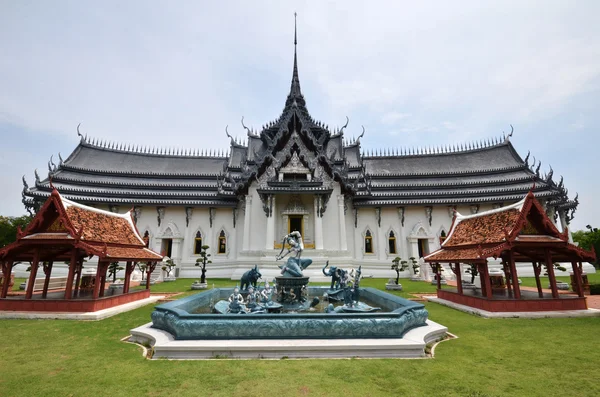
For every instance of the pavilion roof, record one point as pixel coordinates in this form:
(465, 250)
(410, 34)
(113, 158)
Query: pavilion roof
(522, 227)
(64, 223)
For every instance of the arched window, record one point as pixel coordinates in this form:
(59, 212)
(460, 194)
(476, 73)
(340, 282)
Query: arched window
(442, 236)
(392, 243)
(198, 243)
(222, 243)
(368, 242)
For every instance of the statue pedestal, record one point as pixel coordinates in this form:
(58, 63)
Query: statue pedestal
(197, 286)
(291, 290)
(393, 287)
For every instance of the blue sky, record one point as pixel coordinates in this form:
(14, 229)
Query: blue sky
(176, 73)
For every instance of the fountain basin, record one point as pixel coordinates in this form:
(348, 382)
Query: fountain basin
(398, 317)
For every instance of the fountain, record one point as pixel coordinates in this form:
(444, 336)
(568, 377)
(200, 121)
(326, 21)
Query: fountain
(252, 322)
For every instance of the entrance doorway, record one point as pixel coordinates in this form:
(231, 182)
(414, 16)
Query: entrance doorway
(423, 245)
(295, 223)
(166, 246)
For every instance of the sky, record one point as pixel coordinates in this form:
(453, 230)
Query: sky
(174, 74)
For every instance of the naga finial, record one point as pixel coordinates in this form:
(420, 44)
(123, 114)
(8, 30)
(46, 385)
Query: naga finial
(25, 185)
(361, 134)
(79, 133)
(510, 134)
(229, 136)
(37, 177)
(527, 158)
(345, 125)
(246, 128)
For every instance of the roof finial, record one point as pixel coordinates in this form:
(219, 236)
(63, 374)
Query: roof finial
(295, 92)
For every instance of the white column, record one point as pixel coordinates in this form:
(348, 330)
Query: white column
(271, 225)
(318, 225)
(247, 220)
(176, 251)
(342, 221)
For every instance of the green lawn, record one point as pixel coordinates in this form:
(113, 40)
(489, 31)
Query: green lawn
(497, 357)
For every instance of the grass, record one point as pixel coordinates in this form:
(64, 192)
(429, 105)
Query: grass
(491, 357)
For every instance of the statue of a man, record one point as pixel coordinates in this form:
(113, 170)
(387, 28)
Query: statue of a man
(294, 240)
(294, 265)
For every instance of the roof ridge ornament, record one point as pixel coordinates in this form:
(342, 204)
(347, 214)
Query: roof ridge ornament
(507, 137)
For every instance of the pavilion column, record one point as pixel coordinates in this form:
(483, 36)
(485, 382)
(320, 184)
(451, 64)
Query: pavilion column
(513, 274)
(126, 282)
(247, 221)
(78, 277)
(537, 268)
(97, 279)
(342, 220)
(318, 223)
(270, 223)
(456, 271)
(507, 276)
(33, 273)
(438, 275)
(71, 276)
(149, 269)
(6, 270)
(578, 279)
(551, 276)
(485, 275)
(48, 271)
(103, 278)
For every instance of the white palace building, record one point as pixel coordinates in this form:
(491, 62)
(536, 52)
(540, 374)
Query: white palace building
(353, 207)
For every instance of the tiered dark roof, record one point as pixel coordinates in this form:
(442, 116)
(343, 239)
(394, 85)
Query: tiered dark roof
(483, 172)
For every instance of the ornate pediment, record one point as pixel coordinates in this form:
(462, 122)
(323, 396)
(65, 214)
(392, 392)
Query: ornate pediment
(295, 206)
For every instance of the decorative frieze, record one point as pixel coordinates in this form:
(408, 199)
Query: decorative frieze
(401, 211)
(429, 214)
(378, 216)
(137, 213)
(113, 208)
(161, 214)
(189, 211)
(451, 211)
(474, 208)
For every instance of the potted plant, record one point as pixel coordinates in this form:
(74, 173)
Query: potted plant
(168, 267)
(416, 268)
(113, 268)
(142, 266)
(399, 266)
(202, 262)
(473, 272)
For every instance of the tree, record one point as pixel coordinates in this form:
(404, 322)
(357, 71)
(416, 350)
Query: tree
(203, 260)
(8, 227)
(113, 268)
(415, 265)
(399, 266)
(557, 266)
(588, 239)
(142, 266)
(473, 271)
(168, 267)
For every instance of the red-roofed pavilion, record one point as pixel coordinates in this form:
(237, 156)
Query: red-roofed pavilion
(521, 232)
(63, 230)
